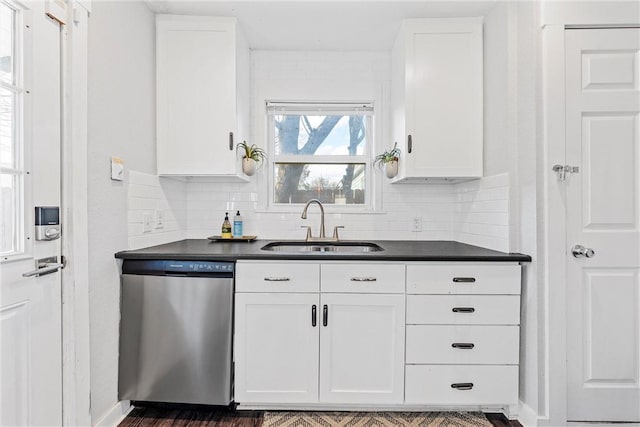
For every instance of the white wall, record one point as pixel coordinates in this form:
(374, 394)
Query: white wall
(510, 147)
(473, 213)
(121, 116)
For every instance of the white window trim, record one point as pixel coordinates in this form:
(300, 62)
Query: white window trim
(22, 43)
(373, 203)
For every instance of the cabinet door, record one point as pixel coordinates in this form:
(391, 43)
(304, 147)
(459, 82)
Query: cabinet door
(444, 98)
(196, 105)
(361, 348)
(276, 348)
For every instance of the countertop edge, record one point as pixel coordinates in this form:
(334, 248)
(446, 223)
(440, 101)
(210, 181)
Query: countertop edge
(393, 254)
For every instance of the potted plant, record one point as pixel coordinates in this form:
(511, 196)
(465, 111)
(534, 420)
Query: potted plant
(389, 161)
(252, 156)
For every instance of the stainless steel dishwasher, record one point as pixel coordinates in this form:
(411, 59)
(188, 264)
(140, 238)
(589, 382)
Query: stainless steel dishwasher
(176, 331)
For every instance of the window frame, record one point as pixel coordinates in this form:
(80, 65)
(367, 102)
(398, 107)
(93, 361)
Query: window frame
(22, 244)
(364, 108)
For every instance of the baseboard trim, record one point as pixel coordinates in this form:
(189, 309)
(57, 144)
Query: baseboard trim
(115, 415)
(526, 415)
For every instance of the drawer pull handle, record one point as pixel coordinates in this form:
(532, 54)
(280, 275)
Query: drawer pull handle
(463, 309)
(325, 315)
(464, 280)
(462, 386)
(313, 315)
(363, 279)
(277, 279)
(463, 345)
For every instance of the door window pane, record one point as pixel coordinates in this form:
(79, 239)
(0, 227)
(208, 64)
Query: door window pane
(7, 43)
(9, 205)
(7, 134)
(329, 183)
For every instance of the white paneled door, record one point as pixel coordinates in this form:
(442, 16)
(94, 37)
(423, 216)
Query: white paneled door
(603, 208)
(30, 307)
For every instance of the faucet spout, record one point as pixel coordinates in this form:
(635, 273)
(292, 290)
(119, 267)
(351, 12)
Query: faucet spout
(304, 215)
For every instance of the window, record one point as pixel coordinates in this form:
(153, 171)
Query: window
(11, 143)
(320, 151)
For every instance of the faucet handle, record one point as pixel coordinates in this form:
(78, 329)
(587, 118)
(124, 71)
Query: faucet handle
(308, 237)
(335, 232)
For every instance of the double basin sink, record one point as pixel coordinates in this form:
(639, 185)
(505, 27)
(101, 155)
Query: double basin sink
(339, 246)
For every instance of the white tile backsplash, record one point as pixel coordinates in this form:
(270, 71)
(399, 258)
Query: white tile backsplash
(474, 212)
(148, 194)
(482, 212)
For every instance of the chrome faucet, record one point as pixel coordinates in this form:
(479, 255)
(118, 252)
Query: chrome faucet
(304, 216)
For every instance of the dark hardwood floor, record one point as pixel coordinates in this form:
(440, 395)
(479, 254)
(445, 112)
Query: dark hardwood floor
(204, 416)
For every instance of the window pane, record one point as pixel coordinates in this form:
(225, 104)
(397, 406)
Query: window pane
(7, 53)
(7, 149)
(330, 183)
(320, 135)
(8, 219)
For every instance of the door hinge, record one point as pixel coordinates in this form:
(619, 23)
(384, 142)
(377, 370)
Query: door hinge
(563, 170)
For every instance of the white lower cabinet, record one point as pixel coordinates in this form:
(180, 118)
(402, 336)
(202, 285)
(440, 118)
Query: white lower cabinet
(463, 334)
(276, 348)
(345, 334)
(318, 348)
(459, 385)
(362, 349)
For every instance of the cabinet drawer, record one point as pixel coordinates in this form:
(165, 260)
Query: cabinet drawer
(277, 277)
(463, 279)
(461, 385)
(363, 278)
(463, 309)
(488, 345)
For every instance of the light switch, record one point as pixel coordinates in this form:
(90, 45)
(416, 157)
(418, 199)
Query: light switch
(159, 219)
(146, 222)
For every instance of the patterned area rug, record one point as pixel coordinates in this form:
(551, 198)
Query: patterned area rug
(375, 419)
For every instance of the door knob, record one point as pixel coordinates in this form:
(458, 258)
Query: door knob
(580, 251)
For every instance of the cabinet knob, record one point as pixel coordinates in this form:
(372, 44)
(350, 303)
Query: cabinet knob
(463, 345)
(462, 386)
(463, 309)
(314, 316)
(363, 279)
(231, 141)
(325, 315)
(409, 144)
(464, 280)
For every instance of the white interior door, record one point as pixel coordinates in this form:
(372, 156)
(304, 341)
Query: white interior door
(603, 208)
(30, 307)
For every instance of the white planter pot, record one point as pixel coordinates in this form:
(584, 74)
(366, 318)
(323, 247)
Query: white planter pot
(391, 169)
(248, 166)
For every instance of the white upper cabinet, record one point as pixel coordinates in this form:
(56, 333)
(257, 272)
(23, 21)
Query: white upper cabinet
(202, 95)
(437, 98)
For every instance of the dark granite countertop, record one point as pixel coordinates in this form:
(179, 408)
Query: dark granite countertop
(394, 250)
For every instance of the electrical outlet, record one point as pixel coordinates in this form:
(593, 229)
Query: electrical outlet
(416, 224)
(147, 218)
(159, 219)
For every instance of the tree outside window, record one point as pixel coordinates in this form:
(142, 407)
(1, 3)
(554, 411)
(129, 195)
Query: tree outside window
(322, 152)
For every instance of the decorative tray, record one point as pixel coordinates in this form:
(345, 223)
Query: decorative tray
(233, 239)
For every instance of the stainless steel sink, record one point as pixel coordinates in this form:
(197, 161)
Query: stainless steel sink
(297, 247)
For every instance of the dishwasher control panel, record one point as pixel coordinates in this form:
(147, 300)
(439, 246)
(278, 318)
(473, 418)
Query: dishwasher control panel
(209, 266)
(177, 267)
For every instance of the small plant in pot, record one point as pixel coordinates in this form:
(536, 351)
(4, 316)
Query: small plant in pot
(252, 157)
(388, 161)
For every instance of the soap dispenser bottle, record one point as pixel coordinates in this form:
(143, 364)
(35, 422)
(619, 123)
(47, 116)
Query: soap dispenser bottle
(226, 227)
(237, 226)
